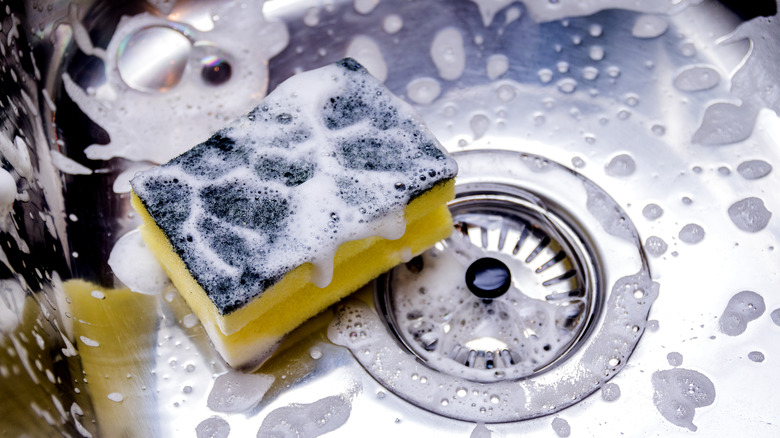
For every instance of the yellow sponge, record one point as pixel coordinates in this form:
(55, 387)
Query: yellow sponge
(329, 182)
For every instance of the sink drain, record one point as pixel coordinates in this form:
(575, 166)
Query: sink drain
(507, 295)
(535, 301)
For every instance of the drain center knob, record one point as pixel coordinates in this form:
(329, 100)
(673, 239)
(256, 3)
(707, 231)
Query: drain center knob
(488, 278)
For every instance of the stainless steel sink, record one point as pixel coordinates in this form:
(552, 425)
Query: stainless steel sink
(634, 142)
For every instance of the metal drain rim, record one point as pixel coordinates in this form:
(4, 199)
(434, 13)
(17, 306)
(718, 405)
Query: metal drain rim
(616, 330)
(516, 204)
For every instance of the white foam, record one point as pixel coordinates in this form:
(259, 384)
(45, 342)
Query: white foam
(68, 165)
(649, 26)
(307, 420)
(148, 125)
(238, 392)
(365, 6)
(489, 8)
(697, 78)
(750, 214)
(448, 53)
(135, 265)
(497, 65)
(423, 90)
(367, 52)
(392, 23)
(691, 233)
(678, 392)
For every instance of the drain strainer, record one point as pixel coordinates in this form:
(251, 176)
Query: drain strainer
(506, 296)
(536, 300)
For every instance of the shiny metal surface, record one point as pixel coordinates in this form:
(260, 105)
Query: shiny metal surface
(672, 121)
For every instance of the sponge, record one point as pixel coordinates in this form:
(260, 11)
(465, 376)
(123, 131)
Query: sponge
(329, 182)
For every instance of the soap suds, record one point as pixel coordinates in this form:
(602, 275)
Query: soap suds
(213, 427)
(147, 125)
(307, 420)
(741, 309)
(649, 26)
(448, 53)
(750, 214)
(754, 169)
(367, 52)
(135, 265)
(67, 165)
(235, 391)
(697, 78)
(679, 392)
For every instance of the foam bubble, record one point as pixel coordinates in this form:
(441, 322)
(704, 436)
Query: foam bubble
(423, 90)
(652, 211)
(448, 53)
(750, 214)
(481, 431)
(561, 427)
(213, 427)
(691, 233)
(392, 23)
(68, 165)
(678, 392)
(621, 165)
(365, 6)
(655, 246)
(697, 78)
(307, 420)
(776, 317)
(649, 26)
(610, 392)
(497, 65)
(367, 52)
(135, 265)
(742, 308)
(145, 126)
(754, 169)
(675, 359)
(756, 356)
(238, 392)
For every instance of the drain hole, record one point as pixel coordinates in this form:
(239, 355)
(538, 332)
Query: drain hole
(488, 278)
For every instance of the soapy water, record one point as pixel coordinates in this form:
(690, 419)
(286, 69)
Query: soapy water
(679, 392)
(146, 95)
(737, 214)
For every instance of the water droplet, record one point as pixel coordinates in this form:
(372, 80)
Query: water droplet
(655, 246)
(631, 99)
(595, 30)
(590, 73)
(749, 214)
(506, 93)
(479, 125)
(545, 75)
(658, 130)
(562, 66)
(649, 26)
(652, 211)
(393, 23)
(423, 90)
(620, 166)
(756, 356)
(567, 85)
(691, 233)
(578, 162)
(754, 169)
(596, 53)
